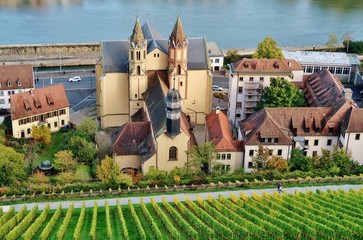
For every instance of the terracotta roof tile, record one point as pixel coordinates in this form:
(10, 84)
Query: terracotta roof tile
(266, 65)
(19, 76)
(220, 133)
(354, 120)
(35, 102)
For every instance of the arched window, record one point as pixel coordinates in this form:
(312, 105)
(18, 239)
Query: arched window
(138, 70)
(173, 153)
(179, 69)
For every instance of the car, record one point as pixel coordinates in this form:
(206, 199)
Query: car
(217, 88)
(4, 111)
(75, 79)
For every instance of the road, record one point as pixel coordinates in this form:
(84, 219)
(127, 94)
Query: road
(180, 196)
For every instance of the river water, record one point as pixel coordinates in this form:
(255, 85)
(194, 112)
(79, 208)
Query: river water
(231, 23)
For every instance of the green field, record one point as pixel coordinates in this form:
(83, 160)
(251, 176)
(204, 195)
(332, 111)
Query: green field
(321, 215)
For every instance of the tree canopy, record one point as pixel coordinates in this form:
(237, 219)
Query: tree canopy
(268, 49)
(202, 156)
(88, 126)
(281, 93)
(110, 173)
(42, 134)
(11, 165)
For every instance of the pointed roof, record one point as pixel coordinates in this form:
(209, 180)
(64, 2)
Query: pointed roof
(137, 36)
(178, 36)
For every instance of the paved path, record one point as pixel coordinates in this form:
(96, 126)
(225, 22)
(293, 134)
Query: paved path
(170, 198)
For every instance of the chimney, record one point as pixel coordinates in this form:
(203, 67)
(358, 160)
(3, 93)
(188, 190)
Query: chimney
(347, 93)
(289, 64)
(218, 109)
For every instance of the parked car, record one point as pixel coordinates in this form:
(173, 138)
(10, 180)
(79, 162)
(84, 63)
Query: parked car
(75, 79)
(217, 88)
(4, 111)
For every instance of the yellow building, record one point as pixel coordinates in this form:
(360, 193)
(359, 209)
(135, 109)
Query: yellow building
(126, 68)
(43, 106)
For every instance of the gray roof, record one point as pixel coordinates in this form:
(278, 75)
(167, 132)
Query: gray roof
(115, 54)
(327, 58)
(214, 50)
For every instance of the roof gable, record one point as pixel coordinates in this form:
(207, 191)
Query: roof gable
(16, 76)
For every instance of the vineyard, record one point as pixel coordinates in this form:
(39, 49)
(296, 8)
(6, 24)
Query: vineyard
(321, 215)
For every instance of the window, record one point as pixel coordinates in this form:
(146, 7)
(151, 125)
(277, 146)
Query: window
(332, 70)
(55, 124)
(306, 142)
(218, 156)
(223, 156)
(1, 93)
(227, 167)
(138, 70)
(132, 55)
(240, 89)
(62, 112)
(329, 142)
(138, 55)
(315, 153)
(338, 70)
(135, 95)
(173, 153)
(316, 142)
(317, 68)
(251, 79)
(251, 153)
(262, 79)
(2, 101)
(62, 122)
(216, 60)
(19, 83)
(346, 70)
(181, 83)
(28, 131)
(179, 69)
(305, 153)
(239, 105)
(269, 140)
(270, 152)
(279, 152)
(48, 125)
(9, 84)
(238, 115)
(250, 164)
(309, 69)
(331, 130)
(241, 79)
(228, 156)
(357, 136)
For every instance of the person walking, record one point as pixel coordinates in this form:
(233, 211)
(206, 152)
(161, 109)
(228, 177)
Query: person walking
(279, 187)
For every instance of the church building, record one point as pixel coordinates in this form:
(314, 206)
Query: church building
(153, 90)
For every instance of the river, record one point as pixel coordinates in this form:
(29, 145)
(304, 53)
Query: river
(231, 23)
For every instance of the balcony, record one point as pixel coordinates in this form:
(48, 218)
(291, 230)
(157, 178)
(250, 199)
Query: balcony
(253, 93)
(252, 99)
(254, 85)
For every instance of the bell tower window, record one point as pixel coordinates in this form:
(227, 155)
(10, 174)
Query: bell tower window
(179, 69)
(138, 55)
(138, 70)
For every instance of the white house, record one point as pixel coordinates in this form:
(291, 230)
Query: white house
(14, 79)
(249, 76)
(343, 65)
(216, 56)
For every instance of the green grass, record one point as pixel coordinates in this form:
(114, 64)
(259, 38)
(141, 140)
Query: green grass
(86, 228)
(53, 148)
(53, 234)
(84, 172)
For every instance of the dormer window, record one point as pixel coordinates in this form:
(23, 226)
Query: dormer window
(37, 103)
(18, 83)
(9, 84)
(27, 105)
(49, 100)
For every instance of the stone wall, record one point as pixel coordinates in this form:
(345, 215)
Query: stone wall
(44, 49)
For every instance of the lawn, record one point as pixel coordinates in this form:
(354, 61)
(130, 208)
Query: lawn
(53, 148)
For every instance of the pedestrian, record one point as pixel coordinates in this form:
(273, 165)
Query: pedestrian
(279, 187)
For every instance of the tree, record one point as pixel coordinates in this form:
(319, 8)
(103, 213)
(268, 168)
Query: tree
(281, 93)
(278, 163)
(346, 40)
(110, 173)
(64, 161)
(260, 159)
(31, 152)
(11, 165)
(42, 134)
(202, 156)
(82, 150)
(299, 162)
(268, 49)
(332, 41)
(88, 126)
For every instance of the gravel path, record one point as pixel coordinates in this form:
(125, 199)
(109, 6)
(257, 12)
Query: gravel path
(170, 197)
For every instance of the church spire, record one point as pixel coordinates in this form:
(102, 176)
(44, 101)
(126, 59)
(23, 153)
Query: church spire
(137, 37)
(178, 36)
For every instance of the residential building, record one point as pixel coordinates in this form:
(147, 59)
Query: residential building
(159, 134)
(218, 131)
(123, 73)
(331, 120)
(343, 65)
(249, 76)
(14, 79)
(43, 106)
(216, 56)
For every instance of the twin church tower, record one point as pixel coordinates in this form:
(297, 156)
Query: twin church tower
(128, 69)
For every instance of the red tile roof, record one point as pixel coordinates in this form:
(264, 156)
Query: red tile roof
(354, 120)
(17, 76)
(38, 101)
(220, 133)
(266, 65)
